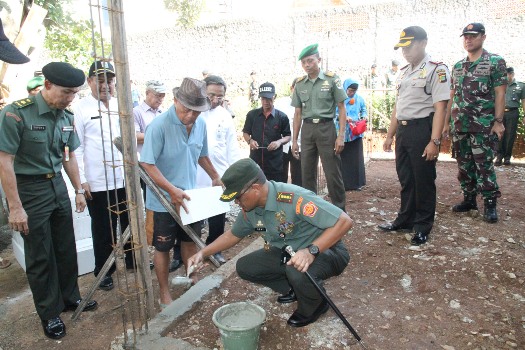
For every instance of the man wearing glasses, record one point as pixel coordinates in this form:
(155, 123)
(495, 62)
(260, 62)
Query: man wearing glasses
(285, 215)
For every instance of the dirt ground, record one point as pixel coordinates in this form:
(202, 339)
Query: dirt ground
(462, 290)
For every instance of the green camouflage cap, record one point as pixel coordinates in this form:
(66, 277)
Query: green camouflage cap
(237, 176)
(308, 51)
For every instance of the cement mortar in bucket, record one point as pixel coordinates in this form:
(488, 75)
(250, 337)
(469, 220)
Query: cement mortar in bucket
(239, 325)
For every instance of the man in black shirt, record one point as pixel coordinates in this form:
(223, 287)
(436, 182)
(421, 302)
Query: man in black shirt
(266, 129)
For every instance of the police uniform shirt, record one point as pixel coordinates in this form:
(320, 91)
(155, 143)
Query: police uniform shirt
(36, 135)
(515, 94)
(265, 130)
(318, 98)
(97, 156)
(420, 87)
(292, 216)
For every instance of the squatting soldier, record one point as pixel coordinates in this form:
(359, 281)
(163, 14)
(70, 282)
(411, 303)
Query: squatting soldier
(478, 88)
(37, 139)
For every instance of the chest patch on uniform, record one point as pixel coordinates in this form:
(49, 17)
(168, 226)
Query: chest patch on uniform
(260, 226)
(38, 127)
(14, 116)
(285, 197)
(68, 128)
(298, 205)
(310, 209)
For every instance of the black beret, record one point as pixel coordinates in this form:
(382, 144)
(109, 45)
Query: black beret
(63, 74)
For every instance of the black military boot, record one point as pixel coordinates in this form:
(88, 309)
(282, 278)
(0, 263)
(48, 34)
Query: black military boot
(469, 203)
(490, 214)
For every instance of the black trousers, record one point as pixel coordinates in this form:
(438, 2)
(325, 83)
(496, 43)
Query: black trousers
(264, 267)
(215, 227)
(50, 249)
(290, 163)
(353, 165)
(416, 175)
(102, 225)
(510, 122)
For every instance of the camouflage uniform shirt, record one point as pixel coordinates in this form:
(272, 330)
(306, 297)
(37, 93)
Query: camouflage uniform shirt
(474, 97)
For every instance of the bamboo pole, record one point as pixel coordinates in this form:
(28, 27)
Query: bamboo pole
(129, 149)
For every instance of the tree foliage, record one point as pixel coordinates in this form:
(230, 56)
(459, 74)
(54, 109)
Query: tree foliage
(189, 11)
(68, 39)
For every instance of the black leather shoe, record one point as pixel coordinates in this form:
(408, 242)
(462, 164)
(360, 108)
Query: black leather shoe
(175, 264)
(106, 283)
(54, 328)
(419, 238)
(298, 320)
(389, 227)
(506, 162)
(90, 305)
(289, 297)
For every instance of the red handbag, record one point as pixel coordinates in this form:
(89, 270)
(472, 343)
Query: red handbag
(357, 127)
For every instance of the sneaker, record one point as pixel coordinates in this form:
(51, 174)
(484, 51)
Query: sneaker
(220, 258)
(175, 264)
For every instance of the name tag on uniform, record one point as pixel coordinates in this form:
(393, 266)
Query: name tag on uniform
(97, 117)
(38, 127)
(68, 128)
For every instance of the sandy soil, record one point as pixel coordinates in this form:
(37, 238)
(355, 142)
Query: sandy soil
(462, 290)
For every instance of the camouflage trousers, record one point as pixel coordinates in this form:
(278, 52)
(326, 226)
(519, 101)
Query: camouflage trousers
(475, 154)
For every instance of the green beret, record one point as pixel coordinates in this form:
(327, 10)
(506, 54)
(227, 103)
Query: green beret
(35, 82)
(63, 74)
(308, 51)
(240, 174)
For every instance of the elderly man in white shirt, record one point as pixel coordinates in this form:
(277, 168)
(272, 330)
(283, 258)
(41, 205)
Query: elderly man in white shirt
(101, 166)
(148, 109)
(223, 148)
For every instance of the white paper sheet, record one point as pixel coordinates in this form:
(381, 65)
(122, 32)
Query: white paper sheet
(204, 203)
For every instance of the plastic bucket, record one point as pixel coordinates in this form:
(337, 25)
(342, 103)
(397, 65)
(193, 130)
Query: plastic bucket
(239, 325)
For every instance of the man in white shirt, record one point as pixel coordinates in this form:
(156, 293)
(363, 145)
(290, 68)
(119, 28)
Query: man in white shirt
(100, 165)
(148, 109)
(223, 148)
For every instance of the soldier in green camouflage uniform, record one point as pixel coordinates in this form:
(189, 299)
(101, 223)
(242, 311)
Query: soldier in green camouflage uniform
(478, 87)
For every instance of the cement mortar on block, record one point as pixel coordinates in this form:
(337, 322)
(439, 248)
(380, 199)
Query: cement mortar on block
(159, 326)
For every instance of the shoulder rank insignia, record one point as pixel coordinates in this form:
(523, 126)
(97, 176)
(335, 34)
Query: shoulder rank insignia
(300, 78)
(14, 116)
(23, 103)
(329, 74)
(285, 197)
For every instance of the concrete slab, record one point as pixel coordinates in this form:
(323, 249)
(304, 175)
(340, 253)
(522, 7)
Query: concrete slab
(160, 325)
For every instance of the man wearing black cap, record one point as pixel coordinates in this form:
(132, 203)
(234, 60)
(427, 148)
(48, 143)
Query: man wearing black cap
(175, 142)
(285, 215)
(479, 82)
(101, 167)
(37, 139)
(417, 122)
(266, 130)
(315, 98)
(513, 97)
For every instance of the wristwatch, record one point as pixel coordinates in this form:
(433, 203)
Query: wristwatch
(313, 249)
(80, 191)
(437, 142)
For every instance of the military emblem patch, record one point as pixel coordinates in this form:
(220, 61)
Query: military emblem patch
(310, 209)
(285, 197)
(14, 116)
(298, 205)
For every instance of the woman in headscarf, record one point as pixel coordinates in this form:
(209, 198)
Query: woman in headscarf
(352, 157)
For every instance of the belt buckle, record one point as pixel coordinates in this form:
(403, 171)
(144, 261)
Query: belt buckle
(507, 109)
(404, 122)
(316, 120)
(50, 176)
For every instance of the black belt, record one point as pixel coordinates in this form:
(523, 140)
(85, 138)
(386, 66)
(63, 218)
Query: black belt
(412, 121)
(38, 177)
(508, 109)
(317, 120)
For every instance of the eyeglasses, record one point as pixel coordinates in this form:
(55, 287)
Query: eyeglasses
(238, 198)
(218, 97)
